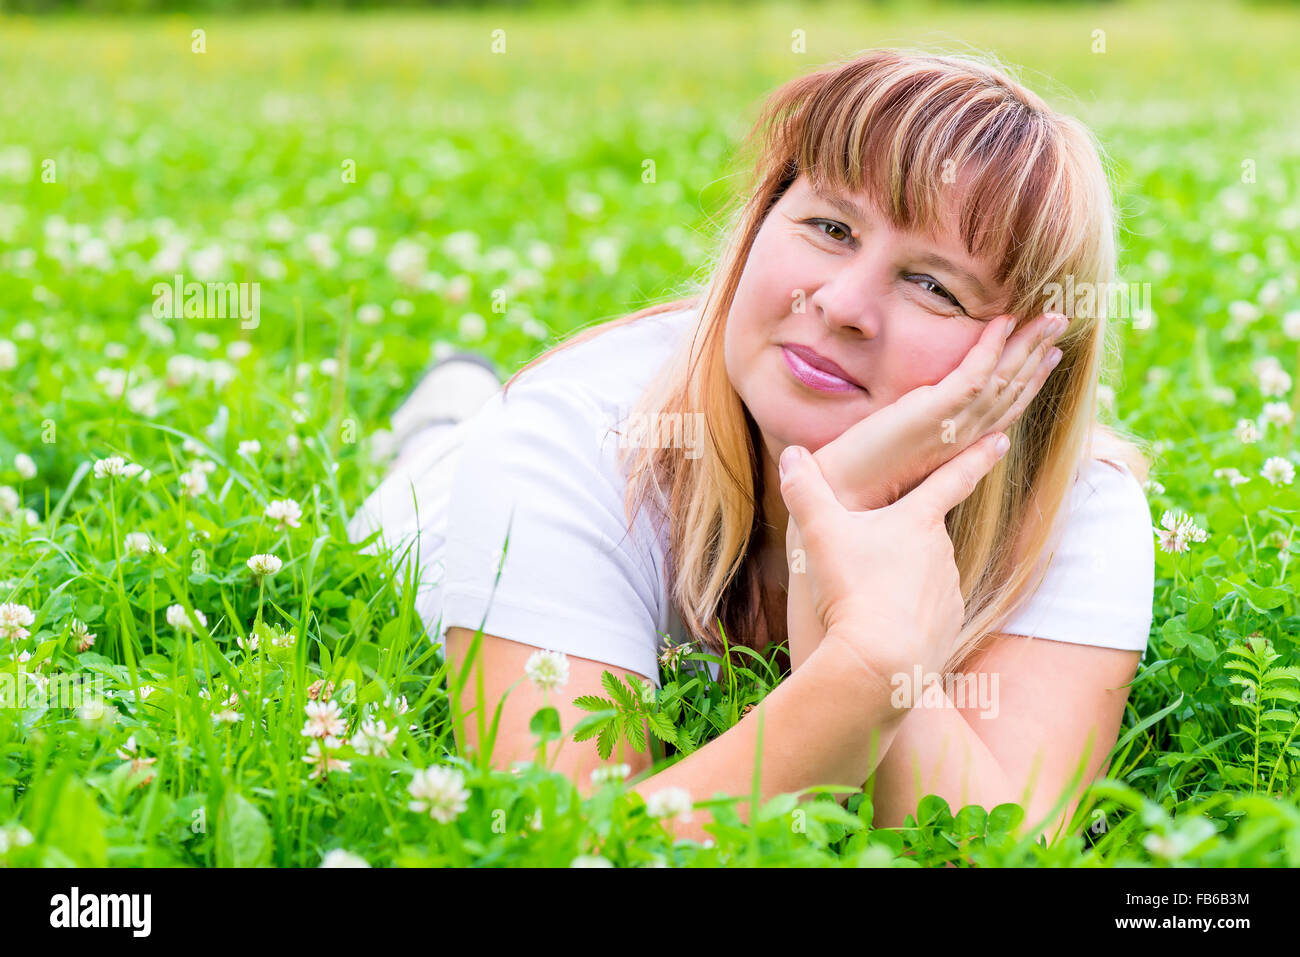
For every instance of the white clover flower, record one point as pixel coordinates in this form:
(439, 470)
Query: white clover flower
(318, 755)
(1174, 846)
(1276, 413)
(607, 773)
(1273, 379)
(182, 370)
(95, 712)
(131, 470)
(328, 366)
(9, 500)
(672, 655)
(8, 355)
(590, 860)
(143, 399)
(220, 373)
(284, 512)
(1223, 395)
(341, 858)
(1291, 324)
(374, 737)
(248, 644)
(1243, 312)
(264, 565)
(14, 835)
(80, 632)
(406, 261)
(281, 638)
(25, 465)
(141, 544)
(177, 618)
(670, 803)
(238, 350)
(1177, 530)
(361, 239)
(1154, 487)
(369, 314)
(1278, 470)
(439, 791)
(1247, 432)
(472, 327)
(1233, 476)
(14, 619)
(250, 448)
(547, 670)
(324, 720)
(193, 482)
(114, 465)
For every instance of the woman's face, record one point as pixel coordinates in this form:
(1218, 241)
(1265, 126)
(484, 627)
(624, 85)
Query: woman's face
(881, 312)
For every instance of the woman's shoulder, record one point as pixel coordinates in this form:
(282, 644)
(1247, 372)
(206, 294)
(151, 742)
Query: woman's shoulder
(614, 364)
(1097, 582)
(557, 417)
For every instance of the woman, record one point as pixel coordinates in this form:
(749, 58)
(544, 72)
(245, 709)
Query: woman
(907, 212)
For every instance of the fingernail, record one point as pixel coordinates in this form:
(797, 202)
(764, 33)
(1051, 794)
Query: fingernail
(1001, 445)
(1011, 327)
(789, 457)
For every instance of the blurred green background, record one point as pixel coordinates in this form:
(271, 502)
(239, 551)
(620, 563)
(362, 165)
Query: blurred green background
(402, 182)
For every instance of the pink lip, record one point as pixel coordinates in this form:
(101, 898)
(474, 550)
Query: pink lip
(816, 371)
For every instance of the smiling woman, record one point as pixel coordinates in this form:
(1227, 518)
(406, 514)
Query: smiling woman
(875, 303)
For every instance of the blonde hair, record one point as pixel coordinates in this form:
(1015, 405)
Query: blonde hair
(1036, 201)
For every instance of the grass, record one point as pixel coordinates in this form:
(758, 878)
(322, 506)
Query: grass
(474, 173)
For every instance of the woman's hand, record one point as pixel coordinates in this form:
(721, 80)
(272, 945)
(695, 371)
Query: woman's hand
(884, 582)
(878, 459)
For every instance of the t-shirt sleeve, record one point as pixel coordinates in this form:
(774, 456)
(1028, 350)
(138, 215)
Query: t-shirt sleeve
(572, 577)
(1099, 584)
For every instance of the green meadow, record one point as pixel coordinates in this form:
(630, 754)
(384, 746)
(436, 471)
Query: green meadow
(402, 184)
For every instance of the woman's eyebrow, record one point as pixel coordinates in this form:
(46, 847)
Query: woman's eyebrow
(846, 206)
(934, 260)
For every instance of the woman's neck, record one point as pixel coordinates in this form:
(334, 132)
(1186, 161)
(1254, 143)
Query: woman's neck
(775, 515)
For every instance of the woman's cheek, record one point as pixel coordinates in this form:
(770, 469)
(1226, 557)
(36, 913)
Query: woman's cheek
(929, 362)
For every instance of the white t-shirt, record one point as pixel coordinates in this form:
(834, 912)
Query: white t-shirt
(544, 464)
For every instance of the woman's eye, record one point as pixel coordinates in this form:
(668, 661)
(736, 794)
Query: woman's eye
(819, 223)
(938, 290)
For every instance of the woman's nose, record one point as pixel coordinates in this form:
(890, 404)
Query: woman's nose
(850, 301)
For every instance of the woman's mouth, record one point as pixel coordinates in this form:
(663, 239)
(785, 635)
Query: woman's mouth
(815, 371)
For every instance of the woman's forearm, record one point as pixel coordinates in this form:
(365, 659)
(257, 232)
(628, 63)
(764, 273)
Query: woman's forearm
(829, 724)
